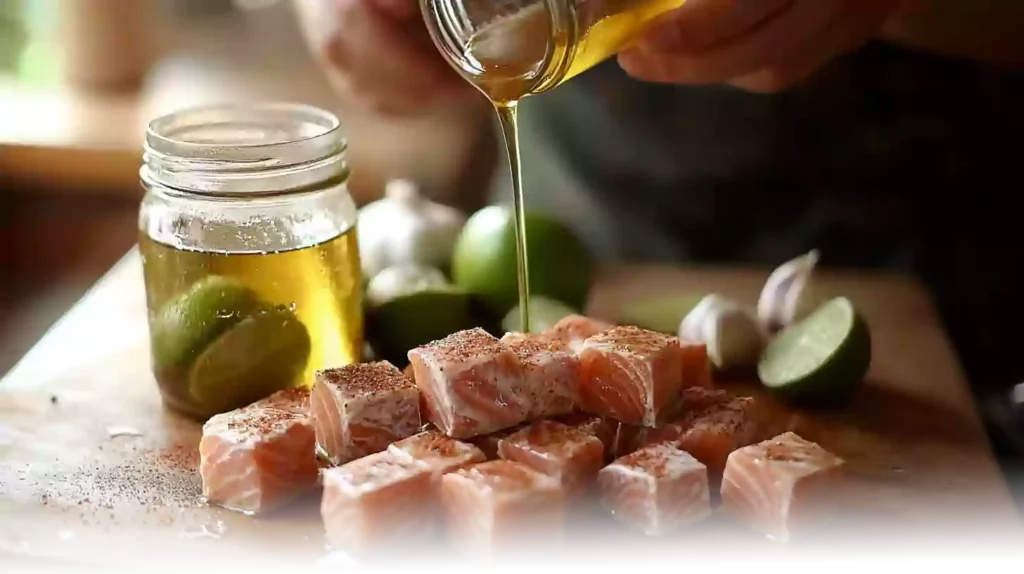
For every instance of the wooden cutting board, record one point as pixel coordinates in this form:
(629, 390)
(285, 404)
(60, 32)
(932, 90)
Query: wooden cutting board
(93, 469)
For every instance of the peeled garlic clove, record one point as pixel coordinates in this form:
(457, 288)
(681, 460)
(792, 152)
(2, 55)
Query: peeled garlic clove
(731, 332)
(399, 280)
(783, 295)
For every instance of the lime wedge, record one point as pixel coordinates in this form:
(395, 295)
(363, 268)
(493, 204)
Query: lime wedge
(821, 359)
(185, 325)
(414, 319)
(260, 355)
(544, 313)
(663, 314)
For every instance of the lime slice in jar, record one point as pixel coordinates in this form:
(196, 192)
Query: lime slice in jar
(260, 355)
(184, 326)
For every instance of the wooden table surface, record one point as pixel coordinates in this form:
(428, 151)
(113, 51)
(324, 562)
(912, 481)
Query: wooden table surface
(93, 469)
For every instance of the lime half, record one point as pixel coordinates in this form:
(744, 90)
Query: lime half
(414, 319)
(544, 313)
(821, 359)
(260, 355)
(187, 324)
(663, 314)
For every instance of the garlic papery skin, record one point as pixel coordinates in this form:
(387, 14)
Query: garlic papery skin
(783, 297)
(400, 280)
(733, 336)
(406, 227)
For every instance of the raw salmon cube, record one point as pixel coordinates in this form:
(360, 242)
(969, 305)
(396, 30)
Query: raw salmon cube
(360, 409)
(782, 487)
(488, 443)
(711, 433)
(697, 369)
(630, 438)
(594, 425)
(570, 455)
(256, 458)
(550, 372)
(631, 375)
(376, 500)
(473, 383)
(441, 453)
(656, 490)
(502, 506)
(575, 329)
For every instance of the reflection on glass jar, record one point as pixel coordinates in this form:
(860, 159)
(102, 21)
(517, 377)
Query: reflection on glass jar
(247, 235)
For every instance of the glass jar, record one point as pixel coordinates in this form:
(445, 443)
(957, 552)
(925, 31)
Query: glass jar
(510, 49)
(249, 252)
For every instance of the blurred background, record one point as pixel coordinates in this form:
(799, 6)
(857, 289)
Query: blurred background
(79, 79)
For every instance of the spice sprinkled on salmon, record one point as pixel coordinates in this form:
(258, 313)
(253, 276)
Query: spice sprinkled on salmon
(472, 382)
(656, 490)
(259, 457)
(570, 455)
(501, 507)
(783, 487)
(360, 409)
(377, 502)
(631, 375)
(550, 373)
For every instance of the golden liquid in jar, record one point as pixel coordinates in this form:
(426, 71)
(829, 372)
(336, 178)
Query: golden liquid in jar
(321, 284)
(506, 61)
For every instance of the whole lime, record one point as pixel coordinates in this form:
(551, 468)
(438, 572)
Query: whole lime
(485, 265)
(183, 327)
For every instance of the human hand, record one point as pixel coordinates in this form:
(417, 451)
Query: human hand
(379, 54)
(757, 45)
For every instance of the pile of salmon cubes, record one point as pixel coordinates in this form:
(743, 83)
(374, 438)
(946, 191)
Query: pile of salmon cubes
(497, 439)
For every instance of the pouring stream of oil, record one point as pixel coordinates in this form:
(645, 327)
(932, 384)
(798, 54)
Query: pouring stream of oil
(508, 118)
(505, 58)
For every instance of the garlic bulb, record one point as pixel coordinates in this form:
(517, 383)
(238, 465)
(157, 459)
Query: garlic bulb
(731, 332)
(406, 227)
(783, 298)
(398, 280)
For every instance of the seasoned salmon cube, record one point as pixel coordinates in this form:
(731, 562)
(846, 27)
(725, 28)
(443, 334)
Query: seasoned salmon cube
(630, 438)
(631, 375)
(379, 500)
(711, 433)
(488, 443)
(473, 383)
(570, 455)
(550, 372)
(259, 457)
(441, 453)
(697, 369)
(656, 490)
(573, 330)
(360, 409)
(782, 487)
(594, 425)
(502, 506)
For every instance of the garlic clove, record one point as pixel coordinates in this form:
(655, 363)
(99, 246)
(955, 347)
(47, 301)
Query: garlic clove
(733, 336)
(399, 280)
(406, 227)
(783, 296)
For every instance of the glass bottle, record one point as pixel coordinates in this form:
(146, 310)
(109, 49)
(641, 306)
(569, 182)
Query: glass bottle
(510, 49)
(249, 251)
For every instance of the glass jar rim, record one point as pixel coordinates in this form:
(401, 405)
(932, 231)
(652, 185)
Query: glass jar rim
(244, 149)
(167, 134)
